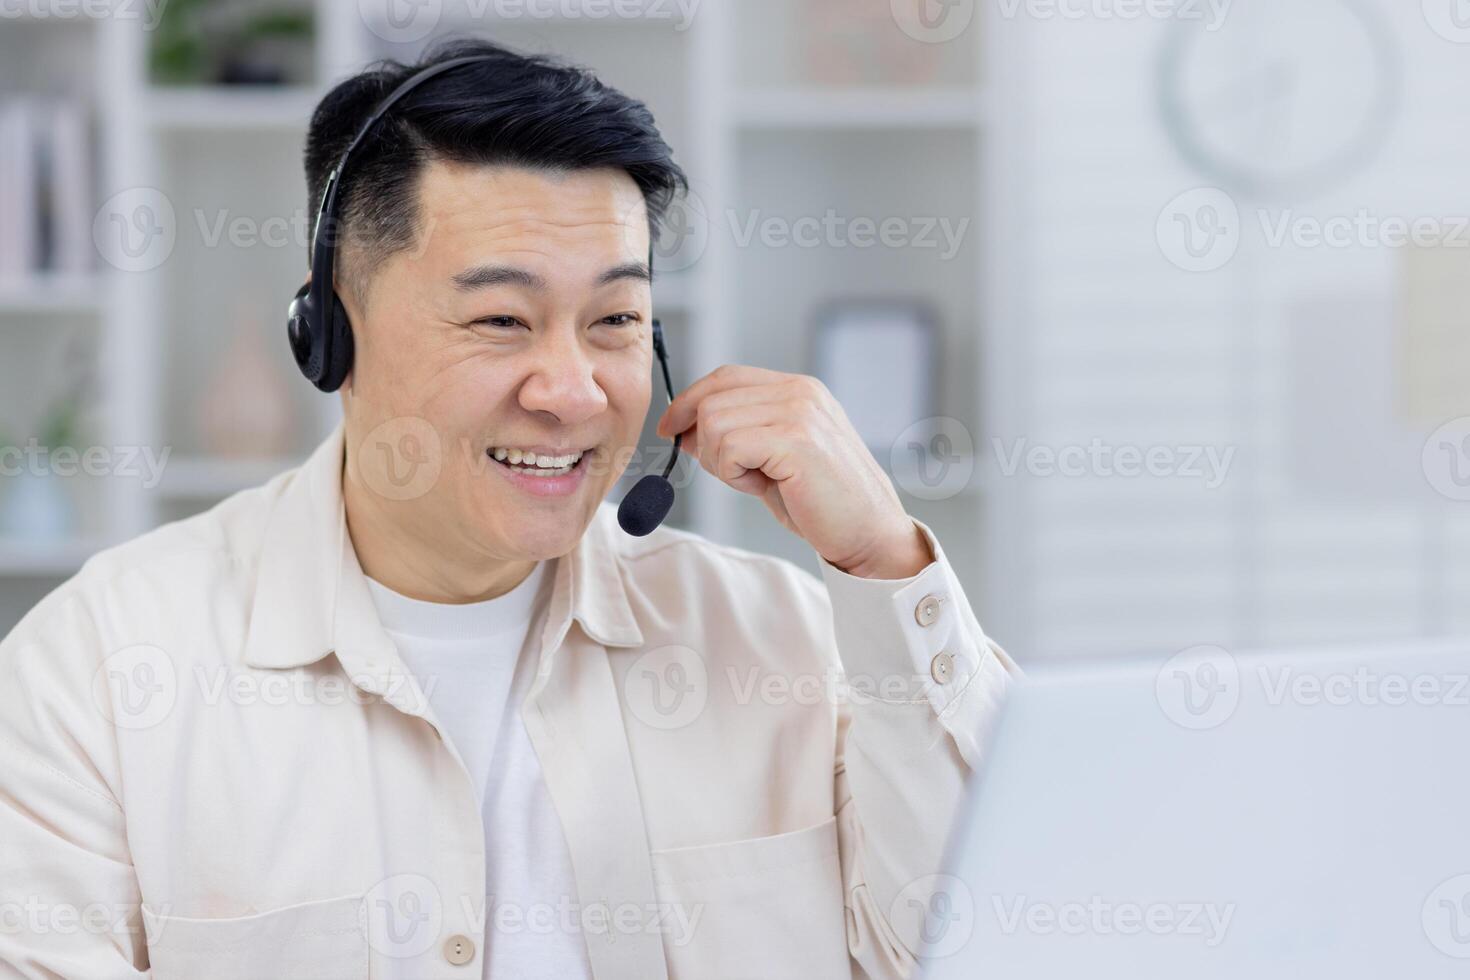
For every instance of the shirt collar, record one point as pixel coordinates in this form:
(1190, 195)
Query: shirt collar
(312, 599)
(591, 588)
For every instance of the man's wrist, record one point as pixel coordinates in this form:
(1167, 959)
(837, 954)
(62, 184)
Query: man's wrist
(909, 555)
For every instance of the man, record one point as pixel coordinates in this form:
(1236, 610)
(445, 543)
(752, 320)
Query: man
(420, 708)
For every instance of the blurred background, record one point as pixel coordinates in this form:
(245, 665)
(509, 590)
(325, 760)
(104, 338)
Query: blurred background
(1155, 309)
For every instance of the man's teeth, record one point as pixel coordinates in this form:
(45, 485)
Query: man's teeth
(555, 464)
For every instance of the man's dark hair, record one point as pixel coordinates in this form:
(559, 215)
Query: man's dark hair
(517, 109)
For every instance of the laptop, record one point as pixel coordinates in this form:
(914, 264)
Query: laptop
(1296, 814)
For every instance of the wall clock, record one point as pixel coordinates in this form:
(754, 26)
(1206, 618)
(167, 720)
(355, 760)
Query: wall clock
(1282, 96)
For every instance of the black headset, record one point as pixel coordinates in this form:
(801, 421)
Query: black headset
(321, 335)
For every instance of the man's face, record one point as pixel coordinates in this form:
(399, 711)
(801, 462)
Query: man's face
(519, 321)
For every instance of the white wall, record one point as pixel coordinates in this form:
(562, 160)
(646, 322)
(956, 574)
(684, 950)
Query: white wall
(1294, 357)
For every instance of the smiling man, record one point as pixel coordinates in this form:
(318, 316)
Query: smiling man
(420, 708)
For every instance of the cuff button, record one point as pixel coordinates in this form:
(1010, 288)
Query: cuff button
(926, 613)
(941, 668)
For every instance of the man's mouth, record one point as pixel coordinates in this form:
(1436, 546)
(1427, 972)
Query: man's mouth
(529, 462)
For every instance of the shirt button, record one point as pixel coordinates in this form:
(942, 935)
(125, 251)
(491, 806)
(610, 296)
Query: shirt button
(459, 950)
(927, 611)
(941, 668)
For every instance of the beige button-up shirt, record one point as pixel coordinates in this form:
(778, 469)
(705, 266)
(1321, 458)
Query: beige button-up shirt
(213, 763)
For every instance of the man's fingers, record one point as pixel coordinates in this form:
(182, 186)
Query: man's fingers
(718, 423)
(746, 455)
(684, 409)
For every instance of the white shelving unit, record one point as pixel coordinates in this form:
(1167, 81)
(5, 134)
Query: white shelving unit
(762, 138)
(206, 479)
(46, 560)
(36, 296)
(212, 110)
(873, 110)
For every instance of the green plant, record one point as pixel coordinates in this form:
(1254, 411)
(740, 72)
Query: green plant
(179, 52)
(62, 425)
(195, 36)
(62, 422)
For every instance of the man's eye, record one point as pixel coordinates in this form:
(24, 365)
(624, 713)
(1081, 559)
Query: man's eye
(498, 321)
(619, 319)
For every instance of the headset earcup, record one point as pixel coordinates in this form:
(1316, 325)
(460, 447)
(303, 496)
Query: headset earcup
(339, 349)
(301, 332)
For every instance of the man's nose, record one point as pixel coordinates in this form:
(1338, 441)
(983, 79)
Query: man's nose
(563, 381)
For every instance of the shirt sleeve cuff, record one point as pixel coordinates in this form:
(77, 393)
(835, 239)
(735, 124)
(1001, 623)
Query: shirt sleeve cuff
(910, 639)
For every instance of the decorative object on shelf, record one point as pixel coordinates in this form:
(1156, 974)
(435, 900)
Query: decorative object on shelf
(245, 410)
(230, 42)
(37, 506)
(848, 42)
(877, 357)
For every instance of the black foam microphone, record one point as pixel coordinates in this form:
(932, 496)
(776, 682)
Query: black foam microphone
(648, 503)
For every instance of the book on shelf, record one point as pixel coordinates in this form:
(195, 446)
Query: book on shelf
(46, 198)
(20, 245)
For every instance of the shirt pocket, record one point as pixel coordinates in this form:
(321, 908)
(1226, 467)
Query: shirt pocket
(324, 940)
(766, 907)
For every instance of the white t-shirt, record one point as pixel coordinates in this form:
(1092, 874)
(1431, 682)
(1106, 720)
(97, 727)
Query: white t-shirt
(465, 657)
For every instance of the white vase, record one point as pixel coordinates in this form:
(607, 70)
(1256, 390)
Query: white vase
(245, 408)
(36, 508)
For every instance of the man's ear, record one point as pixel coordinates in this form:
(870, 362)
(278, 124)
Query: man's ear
(352, 303)
(355, 314)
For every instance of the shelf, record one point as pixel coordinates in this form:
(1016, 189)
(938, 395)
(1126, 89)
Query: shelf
(50, 12)
(470, 15)
(230, 108)
(48, 294)
(204, 477)
(59, 559)
(860, 109)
